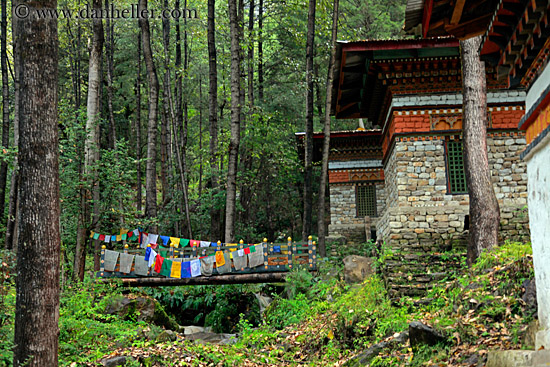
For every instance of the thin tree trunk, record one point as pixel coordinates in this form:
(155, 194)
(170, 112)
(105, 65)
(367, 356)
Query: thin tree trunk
(326, 131)
(138, 125)
(12, 225)
(5, 106)
(151, 171)
(90, 189)
(484, 209)
(215, 215)
(200, 137)
(261, 52)
(308, 164)
(236, 110)
(164, 142)
(37, 286)
(109, 50)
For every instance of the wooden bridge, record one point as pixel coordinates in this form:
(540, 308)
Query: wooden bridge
(246, 263)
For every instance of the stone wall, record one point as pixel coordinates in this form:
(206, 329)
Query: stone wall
(422, 219)
(344, 221)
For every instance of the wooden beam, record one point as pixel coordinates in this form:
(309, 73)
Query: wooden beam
(469, 29)
(457, 11)
(274, 277)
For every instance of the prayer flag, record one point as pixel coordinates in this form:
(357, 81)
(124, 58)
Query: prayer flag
(152, 257)
(176, 269)
(113, 238)
(220, 259)
(184, 242)
(124, 237)
(247, 250)
(240, 252)
(207, 264)
(158, 263)
(92, 233)
(136, 232)
(194, 243)
(175, 241)
(256, 258)
(126, 261)
(186, 269)
(195, 268)
(226, 268)
(107, 239)
(148, 253)
(165, 240)
(214, 244)
(102, 237)
(141, 267)
(153, 238)
(239, 261)
(96, 236)
(252, 248)
(119, 237)
(110, 258)
(166, 268)
(205, 244)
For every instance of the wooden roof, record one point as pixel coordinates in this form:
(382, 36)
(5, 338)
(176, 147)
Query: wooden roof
(368, 73)
(458, 18)
(343, 142)
(517, 39)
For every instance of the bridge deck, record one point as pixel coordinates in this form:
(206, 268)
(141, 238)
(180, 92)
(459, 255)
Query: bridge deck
(278, 259)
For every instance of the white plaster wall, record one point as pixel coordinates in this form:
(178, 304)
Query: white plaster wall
(537, 88)
(538, 186)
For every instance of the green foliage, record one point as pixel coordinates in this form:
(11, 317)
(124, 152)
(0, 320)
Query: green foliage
(7, 306)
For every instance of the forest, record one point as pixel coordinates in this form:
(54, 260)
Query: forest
(184, 124)
(107, 158)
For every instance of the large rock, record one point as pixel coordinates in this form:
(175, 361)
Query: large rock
(357, 268)
(115, 361)
(140, 308)
(420, 334)
(363, 358)
(212, 338)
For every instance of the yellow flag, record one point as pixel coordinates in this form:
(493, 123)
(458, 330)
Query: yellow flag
(175, 241)
(92, 234)
(123, 231)
(220, 260)
(119, 237)
(175, 272)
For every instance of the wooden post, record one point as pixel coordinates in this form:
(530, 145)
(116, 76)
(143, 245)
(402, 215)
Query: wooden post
(126, 249)
(290, 251)
(266, 251)
(310, 250)
(171, 250)
(241, 246)
(314, 249)
(102, 262)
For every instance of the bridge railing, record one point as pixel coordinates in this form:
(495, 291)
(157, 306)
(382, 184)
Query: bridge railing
(277, 257)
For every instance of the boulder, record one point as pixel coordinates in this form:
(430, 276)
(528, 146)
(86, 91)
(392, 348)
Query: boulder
(357, 268)
(423, 334)
(140, 308)
(212, 338)
(115, 361)
(530, 295)
(167, 336)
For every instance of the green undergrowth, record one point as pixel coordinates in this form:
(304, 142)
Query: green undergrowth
(316, 320)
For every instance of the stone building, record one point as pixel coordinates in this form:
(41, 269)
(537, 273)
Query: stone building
(412, 90)
(516, 44)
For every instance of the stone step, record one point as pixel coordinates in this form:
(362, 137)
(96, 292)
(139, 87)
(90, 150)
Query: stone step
(518, 358)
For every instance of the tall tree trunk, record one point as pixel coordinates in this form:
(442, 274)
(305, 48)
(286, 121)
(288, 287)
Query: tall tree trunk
(236, 92)
(261, 52)
(12, 224)
(5, 106)
(484, 209)
(109, 50)
(152, 79)
(164, 138)
(326, 131)
(138, 125)
(308, 164)
(215, 215)
(37, 286)
(90, 189)
(200, 137)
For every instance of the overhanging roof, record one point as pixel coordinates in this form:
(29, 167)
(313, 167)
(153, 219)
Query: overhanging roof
(458, 18)
(365, 70)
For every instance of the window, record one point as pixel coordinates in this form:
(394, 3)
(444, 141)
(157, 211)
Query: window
(456, 178)
(365, 198)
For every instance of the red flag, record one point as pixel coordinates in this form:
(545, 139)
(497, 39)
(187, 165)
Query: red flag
(158, 263)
